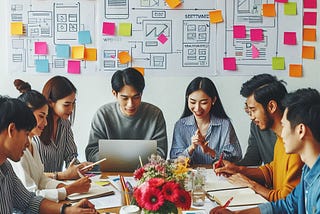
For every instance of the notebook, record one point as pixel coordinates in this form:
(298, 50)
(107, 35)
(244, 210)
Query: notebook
(123, 155)
(94, 192)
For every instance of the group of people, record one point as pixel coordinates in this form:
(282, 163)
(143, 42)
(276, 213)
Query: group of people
(282, 137)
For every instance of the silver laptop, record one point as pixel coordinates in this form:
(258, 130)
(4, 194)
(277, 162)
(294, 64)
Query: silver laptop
(123, 155)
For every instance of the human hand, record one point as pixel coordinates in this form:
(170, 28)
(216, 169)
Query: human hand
(226, 169)
(239, 179)
(83, 206)
(220, 210)
(79, 186)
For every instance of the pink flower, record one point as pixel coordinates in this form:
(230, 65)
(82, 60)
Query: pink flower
(138, 173)
(156, 182)
(152, 199)
(170, 191)
(184, 199)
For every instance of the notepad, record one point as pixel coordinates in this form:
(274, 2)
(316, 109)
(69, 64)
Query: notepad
(94, 192)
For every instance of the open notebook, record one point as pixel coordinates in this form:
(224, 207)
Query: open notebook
(94, 191)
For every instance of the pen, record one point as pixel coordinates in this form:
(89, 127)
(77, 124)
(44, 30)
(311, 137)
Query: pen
(72, 162)
(227, 203)
(93, 164)
(220, 162)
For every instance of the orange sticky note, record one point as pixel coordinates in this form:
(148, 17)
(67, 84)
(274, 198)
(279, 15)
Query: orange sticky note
(309, 34)
(124, 57)
(16, 28)
(90, 54)
(140, 69)
(77, 52)
(268, 10)
(173, 3)
(215, 16)
(308, 52)
(295, 70)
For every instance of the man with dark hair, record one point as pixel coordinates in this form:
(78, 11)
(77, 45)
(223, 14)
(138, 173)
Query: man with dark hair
(277, 179)
(301, 135)
(16, 121)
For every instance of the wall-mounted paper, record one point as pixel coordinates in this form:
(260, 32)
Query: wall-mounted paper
(290, 8)
(239, 31)
(42, 65)
(309, 34)
(256, 34)
(41, 48)
(73, 67)
(310, 18)
(162, 38)
(124, 29)
(290, 38)
(16, 28)
(173, 3)
(295, 70)
(268, 10)
(63, 51)
(310, 3)
(124, 57)
(109, 28)
(278, 63)
(229, 63)
(215, 16)
(84, 37)
(308, 52)
(77, 52)
(90, 54)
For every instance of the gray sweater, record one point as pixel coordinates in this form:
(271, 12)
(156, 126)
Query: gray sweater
(110, 123)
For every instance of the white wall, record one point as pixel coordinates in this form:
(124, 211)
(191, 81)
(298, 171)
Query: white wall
(167, 92)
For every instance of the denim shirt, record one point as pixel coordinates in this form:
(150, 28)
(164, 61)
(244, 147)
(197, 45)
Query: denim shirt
(303, 199)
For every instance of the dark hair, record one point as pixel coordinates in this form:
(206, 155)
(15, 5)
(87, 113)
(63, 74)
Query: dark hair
(208, 87)
(32, 98)
(304, 107)
(56, 88)
(15, 111)
(128, 76)
(265, 87)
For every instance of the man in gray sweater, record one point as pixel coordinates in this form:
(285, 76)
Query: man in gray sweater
(129, 117)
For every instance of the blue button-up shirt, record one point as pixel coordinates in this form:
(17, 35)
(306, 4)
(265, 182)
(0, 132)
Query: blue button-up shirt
(305, 198)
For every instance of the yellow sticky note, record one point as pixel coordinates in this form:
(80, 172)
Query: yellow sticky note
(309, 34)
(124, 57)
(268, 10)
(290, 8)
(140, 69)
(295, 70)
(173, 3)
(308, 52)
(102, 183)
(124, 29)
(278, 63)
(16, 28)
(215, 16)
(77, 52)
(90, 54)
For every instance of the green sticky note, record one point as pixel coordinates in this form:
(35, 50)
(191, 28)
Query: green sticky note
(290, 8)
(278, 63)
(124, 29)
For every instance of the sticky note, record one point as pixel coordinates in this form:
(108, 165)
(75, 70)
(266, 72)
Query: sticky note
(239, 31)
(42, 65)
(256, 34)
(124, 29)
(63, 51)
(310, 18)
(140, 69)
(90, 54)
(84, 37)
(77, 52)
(102, 183)
(268, 10)
(215, 16)
(162, 38)
(124, 57)
(290, 8)
(255, 52)
(109, 28)
(289, 38)
(295, 70)
(16, 28)
(173, 3)
(40, 48)
(310, 3)
(278, 63)
(229, 63)
(281, 1)
(73, 67)
(309, 34)
(308, 52)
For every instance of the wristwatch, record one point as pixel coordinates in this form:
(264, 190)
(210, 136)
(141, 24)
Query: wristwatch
(63, 207)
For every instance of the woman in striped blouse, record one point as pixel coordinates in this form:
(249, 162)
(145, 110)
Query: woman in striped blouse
(204, 130)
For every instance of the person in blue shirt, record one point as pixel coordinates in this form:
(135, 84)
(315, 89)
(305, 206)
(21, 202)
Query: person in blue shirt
(301, 135)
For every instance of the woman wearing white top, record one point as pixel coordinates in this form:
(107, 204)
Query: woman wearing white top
(30, 168)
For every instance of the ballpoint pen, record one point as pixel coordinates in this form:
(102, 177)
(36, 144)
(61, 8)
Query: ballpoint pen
(227, 203)
(220, 162)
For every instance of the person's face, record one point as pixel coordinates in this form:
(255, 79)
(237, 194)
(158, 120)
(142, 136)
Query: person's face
(290, 137)
(63, 108)
(258, 114)
(200, 104)
(129, 100)
(41, 117)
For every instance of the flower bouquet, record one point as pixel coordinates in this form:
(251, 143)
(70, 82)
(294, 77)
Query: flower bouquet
(160, 186)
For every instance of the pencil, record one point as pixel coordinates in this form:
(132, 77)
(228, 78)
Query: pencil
(93, 164)
(140, 161)
(72, 162)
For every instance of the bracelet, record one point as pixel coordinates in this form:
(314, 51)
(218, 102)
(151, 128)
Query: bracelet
(55, 175)
(63, 207)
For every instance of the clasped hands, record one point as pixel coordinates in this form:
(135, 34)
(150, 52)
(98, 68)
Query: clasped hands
(198, 140)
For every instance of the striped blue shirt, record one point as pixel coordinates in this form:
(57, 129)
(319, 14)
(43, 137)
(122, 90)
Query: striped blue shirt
(14, 195)
(221, 136)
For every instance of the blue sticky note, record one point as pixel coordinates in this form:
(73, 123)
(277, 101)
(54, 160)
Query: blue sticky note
(63, 51)
(84, 37)
(42, 65)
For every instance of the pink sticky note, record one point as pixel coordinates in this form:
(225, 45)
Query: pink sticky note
(229, 63)
(40, 48)
(310, 3)
(109, 28)
(73, 67)
(162, 38)
(289, 38)
(256, 34)
(310, 18)
(255, 52)
(281, 1)
(239, 31)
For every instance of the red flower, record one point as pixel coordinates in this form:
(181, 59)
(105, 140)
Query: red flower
(170, 191)
(152, 199)
(184, 199)
(137, 194)
(156, 182)
(138, 173)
